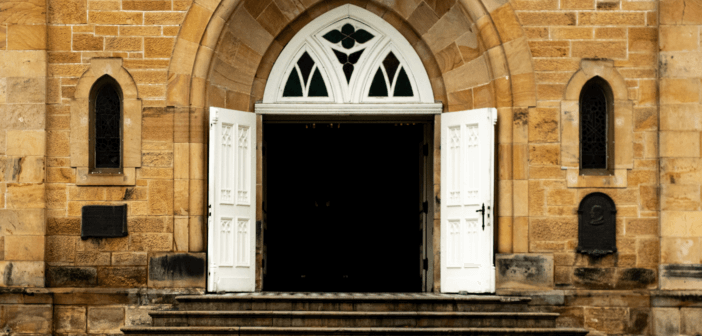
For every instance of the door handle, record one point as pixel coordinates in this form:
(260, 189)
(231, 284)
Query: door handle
(482, 211)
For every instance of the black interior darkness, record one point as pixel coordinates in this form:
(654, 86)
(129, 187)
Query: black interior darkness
(343, 207)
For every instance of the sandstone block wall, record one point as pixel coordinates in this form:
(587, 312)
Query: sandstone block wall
(143, 34)
(561, 35)
(23, 196)
(679, 143)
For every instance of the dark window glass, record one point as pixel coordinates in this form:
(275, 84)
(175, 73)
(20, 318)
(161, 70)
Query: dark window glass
(391, 63)
(348, 61)
(293, 87)
(403, 88)
(378, 87)
(348, 36)
(593, 126)
(305, 63)
(317, 87)
(108, 134)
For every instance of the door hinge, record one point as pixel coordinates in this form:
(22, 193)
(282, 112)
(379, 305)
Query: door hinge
(425, 264)
(425, 149)
(425, 207)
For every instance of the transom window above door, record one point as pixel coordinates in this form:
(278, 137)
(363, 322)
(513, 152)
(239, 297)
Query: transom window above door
(348, 56)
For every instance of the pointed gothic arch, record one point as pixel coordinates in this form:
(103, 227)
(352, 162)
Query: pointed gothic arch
(361, 58)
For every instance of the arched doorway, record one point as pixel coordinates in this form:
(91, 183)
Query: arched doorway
(348, 69)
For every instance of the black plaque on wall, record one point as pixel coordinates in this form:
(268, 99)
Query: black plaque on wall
(103, 221)
(597, 225)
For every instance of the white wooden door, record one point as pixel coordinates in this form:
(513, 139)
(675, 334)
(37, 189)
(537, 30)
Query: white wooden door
(232, 201)
(467, 165)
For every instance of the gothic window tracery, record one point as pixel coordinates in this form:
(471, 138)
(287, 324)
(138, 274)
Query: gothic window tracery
(350, 56)
(388, 79)
(301, 84)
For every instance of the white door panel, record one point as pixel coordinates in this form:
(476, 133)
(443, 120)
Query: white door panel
(467, 157)
(232, 207)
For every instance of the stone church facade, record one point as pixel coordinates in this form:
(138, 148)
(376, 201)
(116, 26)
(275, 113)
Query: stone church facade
(177, 61)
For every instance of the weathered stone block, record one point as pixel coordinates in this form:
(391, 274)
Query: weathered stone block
(22, 273)
(25, 196)
(103, 244)
(179, 270)
(106, 320)
(158, 47)
(69, 319)
(65, 276)
(26, 37)
(594, 278)
(680, 250)
(610, 320)
(21, 222)
(26, 143)
(129, 259)
(553, 229)
(123, 43)
(68, 11)
(146, 5)
(92, 259)
(680, 277)
(524, 271)
(29, 248)
(635, 278)
(151, 224)
(151, 241)
(122, 276)
(666, 321)
(27, 319)
(88, 42)
(160, 197)
(163, 18)
(555, 18)
(108, 17)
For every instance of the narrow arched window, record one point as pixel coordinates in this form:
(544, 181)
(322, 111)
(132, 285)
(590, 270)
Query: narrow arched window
(106, 126)
(596, 129)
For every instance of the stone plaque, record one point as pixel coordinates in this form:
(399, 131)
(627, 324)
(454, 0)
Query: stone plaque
(103, 221)
(597, 225)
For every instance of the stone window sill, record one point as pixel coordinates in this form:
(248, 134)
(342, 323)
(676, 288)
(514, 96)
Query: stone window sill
(575, 180)
(84, 177)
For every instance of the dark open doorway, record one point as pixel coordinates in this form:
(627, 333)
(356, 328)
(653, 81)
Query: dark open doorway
(342, 205)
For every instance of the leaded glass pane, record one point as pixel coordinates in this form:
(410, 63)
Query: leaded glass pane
(317, 87)
(378, 87)
(593, 127)
(292, 86)
(305, 63)
(108, 137)
(391, 63)
(403, 88)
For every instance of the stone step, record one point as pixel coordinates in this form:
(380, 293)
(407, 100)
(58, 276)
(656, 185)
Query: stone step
(253, 331)
(353, 302)
(354, 319)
